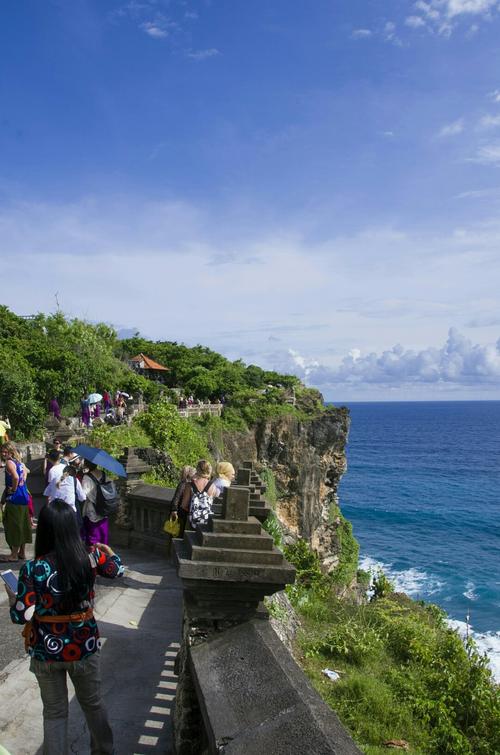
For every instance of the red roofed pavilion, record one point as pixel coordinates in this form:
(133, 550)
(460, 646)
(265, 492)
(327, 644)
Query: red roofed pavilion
(148, 367)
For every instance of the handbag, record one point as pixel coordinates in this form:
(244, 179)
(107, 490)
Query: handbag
(172, 525)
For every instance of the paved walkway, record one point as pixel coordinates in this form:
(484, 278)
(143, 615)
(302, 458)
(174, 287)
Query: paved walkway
(139, 618)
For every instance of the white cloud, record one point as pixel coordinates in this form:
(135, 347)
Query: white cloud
(364, 290)
(460, 7)
(489, 122)
(415, 22)
(211, 52)
(488, 154)
(495, 96)
(154, 30)
(442, 16)
(452, 129)
(361, 33)
(390, 34)
(457, 362)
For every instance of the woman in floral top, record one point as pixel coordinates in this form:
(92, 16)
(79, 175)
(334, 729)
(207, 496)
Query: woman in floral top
(54, 599)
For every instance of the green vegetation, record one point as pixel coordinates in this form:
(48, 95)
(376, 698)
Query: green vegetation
(251, 393)
(181, 439)
(115, 439)
(348, 549)
(267, 476)
(51, 356)
(403, 673)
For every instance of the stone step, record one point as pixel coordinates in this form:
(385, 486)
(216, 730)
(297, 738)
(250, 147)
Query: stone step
(262, 542)
(236, 556)
(250, 527)
(247, 575)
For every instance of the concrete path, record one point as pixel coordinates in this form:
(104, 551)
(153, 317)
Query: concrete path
(139, 619)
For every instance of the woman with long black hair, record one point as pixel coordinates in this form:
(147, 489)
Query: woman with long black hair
(54, 599)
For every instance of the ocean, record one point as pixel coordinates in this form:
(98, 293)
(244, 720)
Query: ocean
(422, 491)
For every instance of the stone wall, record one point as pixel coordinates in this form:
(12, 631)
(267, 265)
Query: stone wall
(239, 690)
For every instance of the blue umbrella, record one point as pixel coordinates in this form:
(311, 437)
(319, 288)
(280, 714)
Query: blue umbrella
(101, 458)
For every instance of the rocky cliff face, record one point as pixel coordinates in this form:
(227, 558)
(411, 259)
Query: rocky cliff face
(308, 459)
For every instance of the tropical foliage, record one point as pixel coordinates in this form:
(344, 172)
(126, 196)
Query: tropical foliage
(51, 356)
(403, 673)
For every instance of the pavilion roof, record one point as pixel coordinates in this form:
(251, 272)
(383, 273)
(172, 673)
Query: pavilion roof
(149, 364)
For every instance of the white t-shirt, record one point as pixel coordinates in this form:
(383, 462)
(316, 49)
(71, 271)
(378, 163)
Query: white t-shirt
(65, 491)
(56, 471)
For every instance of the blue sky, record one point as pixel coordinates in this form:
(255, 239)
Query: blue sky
(310, 186)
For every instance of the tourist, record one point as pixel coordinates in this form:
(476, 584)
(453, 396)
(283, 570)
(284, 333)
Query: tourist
(68, 457)
(52, 457)
(120, 410)
(4, 426)
(95, 526)
(187, 475)
(225, 476)
(85, 410)
(55, 601)
(198, 497)
(107, 401)
(15, 499)
(54, 409)
(67, 487)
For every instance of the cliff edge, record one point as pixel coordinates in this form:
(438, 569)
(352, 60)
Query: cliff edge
(307, 459)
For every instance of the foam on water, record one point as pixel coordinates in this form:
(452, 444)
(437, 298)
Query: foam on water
(469, 591)
(416, 583)
(487, 642)
(422, 493)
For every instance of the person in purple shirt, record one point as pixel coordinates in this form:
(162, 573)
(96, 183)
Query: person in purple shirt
(54, 408)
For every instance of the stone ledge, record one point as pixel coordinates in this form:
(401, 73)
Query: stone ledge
(254, 698)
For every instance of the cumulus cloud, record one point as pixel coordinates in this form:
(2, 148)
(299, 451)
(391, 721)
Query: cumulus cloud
(452, 129)
(460, 7)
(442, 16)
(457, 362)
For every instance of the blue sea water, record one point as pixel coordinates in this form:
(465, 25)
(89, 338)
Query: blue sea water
(423, 493)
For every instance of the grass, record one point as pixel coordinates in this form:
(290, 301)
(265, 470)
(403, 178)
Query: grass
(403, 673)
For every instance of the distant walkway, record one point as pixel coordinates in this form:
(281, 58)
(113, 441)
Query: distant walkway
(139, 617)
(197, 410)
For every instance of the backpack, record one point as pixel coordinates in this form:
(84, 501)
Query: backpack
(107, 500)
(200, 507)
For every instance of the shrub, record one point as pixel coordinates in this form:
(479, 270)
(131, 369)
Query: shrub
(169, 432)
(381, 586)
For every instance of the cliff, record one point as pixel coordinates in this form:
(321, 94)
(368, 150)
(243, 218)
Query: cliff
(308, 460)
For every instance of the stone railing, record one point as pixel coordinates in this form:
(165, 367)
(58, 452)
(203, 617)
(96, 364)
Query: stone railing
(197, 410)
(239, 691)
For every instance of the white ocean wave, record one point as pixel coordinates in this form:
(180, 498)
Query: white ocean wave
(469, 591)
(414, 582)
(487, 642)
(417, 583)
